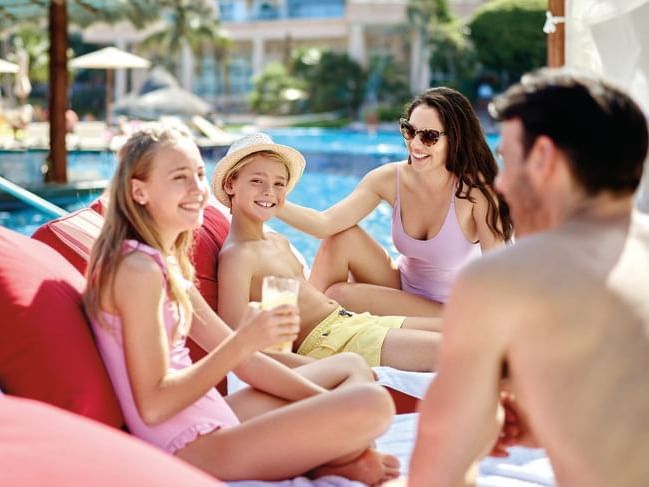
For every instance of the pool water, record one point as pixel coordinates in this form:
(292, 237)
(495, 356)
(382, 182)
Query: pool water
(336, 160)
(316, 189)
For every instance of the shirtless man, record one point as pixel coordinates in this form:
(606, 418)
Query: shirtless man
(253, 180)
(564, 313)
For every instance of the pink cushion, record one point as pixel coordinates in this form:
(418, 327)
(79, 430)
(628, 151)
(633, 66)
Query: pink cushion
(47, 351)
(43, 445)
(72, 235)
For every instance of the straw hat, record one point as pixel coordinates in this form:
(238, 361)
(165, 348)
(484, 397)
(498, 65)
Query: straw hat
(247, 145)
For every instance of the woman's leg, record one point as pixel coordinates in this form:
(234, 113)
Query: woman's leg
(377, 284)
(413, 350)
(353, 252)
(325, 434)
(382, 301)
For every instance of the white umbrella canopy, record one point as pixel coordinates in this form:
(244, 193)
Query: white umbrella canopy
(109, 58)
(22, 85)
(7, 67)
(164, 101)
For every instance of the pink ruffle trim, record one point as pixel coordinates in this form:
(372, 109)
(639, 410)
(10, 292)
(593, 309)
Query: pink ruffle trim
(190, 434)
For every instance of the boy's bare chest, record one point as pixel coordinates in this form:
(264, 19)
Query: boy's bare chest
(275, 258)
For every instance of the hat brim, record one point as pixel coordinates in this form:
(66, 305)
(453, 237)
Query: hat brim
(294, 160)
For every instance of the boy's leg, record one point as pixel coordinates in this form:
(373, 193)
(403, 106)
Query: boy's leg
(331, 429)
(413, 350)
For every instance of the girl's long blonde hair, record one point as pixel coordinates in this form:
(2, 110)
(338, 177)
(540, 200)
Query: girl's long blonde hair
(125, 219)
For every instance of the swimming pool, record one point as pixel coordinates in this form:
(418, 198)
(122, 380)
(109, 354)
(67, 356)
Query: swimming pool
(336, 160)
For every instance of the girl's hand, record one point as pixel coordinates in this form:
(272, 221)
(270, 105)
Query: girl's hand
(262, 329)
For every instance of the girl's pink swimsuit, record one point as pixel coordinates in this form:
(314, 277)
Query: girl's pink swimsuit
(428, 267)
(207, 414)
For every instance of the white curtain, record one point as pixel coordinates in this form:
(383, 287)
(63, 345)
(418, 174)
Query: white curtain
(611, 38)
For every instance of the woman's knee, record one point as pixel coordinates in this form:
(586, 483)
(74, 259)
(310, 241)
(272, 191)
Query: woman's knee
(339, 292)
(342, 241)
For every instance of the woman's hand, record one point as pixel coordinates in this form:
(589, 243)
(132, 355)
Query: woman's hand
(260, 329)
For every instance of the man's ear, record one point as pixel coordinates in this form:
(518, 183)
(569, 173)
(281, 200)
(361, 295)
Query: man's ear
(543, 160)
(138, 192)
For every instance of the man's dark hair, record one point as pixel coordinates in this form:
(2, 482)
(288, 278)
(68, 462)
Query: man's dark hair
(602, 131)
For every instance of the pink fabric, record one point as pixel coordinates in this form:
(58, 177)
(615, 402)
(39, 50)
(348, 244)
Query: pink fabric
(210, 412)
(429, 267)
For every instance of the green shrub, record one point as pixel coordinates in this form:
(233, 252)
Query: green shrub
(508, 36)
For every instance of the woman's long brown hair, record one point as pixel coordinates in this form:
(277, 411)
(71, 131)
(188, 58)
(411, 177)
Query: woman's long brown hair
(469, 157)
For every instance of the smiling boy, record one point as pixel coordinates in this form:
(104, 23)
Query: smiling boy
(253, 179)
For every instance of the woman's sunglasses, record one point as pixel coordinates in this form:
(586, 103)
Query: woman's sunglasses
(428, 137)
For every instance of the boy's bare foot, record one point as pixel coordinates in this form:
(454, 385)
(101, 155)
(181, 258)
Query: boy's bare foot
(370, 467)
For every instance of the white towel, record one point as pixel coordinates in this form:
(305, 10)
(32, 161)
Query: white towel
(524, 467)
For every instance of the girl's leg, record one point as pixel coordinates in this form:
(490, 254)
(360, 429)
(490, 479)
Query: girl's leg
(325, 434)
(342, 369)
(377, 284)
(413, 350)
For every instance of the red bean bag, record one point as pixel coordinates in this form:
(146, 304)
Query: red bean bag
(72, 235)
(47, 351)
(208, 240)
(43, 445)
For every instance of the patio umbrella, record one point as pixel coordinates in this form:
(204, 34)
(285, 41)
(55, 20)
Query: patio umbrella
(109, 58)
(22, 86)
(7, 67)
(164, 101)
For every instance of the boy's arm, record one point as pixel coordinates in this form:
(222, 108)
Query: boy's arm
(236, 269)
(234, 280)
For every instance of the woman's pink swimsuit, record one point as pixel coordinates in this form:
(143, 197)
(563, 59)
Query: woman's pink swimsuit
(207, 414)
(428, 267)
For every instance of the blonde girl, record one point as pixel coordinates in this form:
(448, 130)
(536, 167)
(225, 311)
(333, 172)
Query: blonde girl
(143, 306)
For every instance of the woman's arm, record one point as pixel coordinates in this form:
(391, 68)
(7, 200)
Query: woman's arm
(344, 214)
(486, 236)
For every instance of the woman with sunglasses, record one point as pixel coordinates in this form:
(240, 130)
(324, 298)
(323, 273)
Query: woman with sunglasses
(445, 212)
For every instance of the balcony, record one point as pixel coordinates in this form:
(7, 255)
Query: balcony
(243, 11)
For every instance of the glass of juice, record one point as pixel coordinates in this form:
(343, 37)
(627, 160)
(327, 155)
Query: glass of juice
(274, 292)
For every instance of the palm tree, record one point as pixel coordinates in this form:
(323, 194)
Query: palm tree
(189, 24)
(425, 15)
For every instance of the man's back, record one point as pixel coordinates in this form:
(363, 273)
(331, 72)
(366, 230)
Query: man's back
(578, 340)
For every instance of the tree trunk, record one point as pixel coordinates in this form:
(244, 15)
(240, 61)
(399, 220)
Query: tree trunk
(58, 103)
(557, 39)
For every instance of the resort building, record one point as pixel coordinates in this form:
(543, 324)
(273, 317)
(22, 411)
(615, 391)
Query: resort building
(263, 31)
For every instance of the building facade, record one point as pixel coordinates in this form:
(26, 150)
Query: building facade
(264, 31)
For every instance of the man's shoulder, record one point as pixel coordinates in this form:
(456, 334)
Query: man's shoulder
(519, 264)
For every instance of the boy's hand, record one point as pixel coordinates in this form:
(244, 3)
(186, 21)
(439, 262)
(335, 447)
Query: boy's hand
(262, 329)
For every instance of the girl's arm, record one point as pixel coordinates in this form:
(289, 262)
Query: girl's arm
(261, 372)
(159, 394)
(344, 214)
